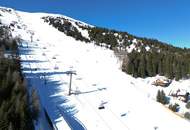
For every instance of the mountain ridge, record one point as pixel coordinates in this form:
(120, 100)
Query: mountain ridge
(115, 100)
(124, 45)
(89, 25)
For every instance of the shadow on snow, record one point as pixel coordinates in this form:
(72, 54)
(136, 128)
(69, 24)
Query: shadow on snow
(48, 90)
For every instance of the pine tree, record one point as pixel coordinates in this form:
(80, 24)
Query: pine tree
(187, 115)
(178, 71)
(174, 107)
(161, 97)
(158, 97)
(187, 105)
(142, 67)
(160, 67)
(149, 65)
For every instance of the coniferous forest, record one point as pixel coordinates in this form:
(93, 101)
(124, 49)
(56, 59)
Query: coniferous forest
(161, 59)
(17, 112)
(146, 64)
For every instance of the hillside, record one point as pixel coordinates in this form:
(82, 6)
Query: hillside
(145, 57)
(102, 96)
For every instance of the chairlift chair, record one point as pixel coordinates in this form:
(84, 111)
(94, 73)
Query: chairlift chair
(101, 107)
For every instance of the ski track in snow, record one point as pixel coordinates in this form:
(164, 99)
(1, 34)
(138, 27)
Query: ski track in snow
(128, 102)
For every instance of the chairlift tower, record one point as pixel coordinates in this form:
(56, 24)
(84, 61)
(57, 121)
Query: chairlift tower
(70, 83)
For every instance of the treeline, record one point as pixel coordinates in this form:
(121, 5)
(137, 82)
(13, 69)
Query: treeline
(160, 58)
(147, 64)
(111, 38)
(164, 47)
(96, 34)
(66, 27)
(17, 112)
(102, 35)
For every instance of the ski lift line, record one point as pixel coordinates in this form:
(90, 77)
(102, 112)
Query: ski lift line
(116, 118)
(48, 58)
(60, 77)
(37, 65)
(110, 111)
(35, 86)
(53, 64)
(116, 115)
(68, 72)
(86, 100)
(31, 73)
(94, 110)
(79, 100)
(76, 118)
(53, 67)
(41, 75)
(91, 106)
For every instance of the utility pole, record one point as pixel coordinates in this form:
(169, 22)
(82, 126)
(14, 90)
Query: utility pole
(70, 83)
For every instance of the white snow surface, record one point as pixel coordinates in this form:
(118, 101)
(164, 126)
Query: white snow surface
(129, 102)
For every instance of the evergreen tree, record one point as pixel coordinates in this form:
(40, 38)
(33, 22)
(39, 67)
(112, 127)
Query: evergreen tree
(174, 108)
(187, 105)
(158, 97)
(187, 115)
(149, 65)
(14, 105)
(161, 97)
(142, 67)
(178, 72)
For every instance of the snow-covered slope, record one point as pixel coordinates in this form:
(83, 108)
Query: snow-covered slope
(47, 54)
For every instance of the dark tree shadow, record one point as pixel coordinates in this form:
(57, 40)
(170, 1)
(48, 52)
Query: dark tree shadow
(55, 105)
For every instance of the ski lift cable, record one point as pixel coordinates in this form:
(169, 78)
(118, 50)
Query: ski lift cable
(92, 107)
(39, 66)
(100, 115)
(110, 110)
(52, 66)
(89, 102)
(115, 114)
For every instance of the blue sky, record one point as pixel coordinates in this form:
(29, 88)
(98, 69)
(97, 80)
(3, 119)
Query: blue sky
(165, 20)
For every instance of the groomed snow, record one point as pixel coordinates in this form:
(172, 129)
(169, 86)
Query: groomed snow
(129, 103)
